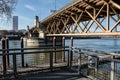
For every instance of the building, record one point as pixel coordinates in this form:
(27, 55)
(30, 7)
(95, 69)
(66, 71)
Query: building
(15, 23)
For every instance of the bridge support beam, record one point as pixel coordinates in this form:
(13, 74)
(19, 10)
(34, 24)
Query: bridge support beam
(101, 16)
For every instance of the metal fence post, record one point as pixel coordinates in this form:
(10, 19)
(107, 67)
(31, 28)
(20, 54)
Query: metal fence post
(7, 47)
(54, 49)
(71, 46)
(71, 52)
(63, 49)
(79, 62)
(22, 55)
(97, 66)
(51, 61)
(4, 57)
(68, 58)
(112, 68)
(14, 65)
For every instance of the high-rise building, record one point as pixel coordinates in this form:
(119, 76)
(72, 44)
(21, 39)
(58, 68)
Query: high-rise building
(15, 23)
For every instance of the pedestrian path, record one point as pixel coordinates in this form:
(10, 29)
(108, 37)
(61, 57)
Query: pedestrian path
(55, 75)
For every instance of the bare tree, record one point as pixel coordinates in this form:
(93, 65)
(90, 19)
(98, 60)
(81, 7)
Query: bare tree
(6, 8)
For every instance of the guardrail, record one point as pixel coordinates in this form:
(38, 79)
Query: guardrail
(96, 64)
(35, 59)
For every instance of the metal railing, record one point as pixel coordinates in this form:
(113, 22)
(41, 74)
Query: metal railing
(22, 60)
(96, 64)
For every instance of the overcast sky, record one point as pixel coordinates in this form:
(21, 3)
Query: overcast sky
(27, 9)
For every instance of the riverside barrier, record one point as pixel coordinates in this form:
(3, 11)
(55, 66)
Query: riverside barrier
(35, 59)
(96, 64)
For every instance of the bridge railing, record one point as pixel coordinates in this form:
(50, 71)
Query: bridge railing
(96, 64)
(31, 59)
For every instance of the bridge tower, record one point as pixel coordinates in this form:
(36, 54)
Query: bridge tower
(36, 21)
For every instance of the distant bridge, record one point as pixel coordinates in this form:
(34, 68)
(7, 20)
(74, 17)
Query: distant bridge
(85, 18)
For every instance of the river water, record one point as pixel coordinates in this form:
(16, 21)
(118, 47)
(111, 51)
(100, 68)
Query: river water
(104, 44)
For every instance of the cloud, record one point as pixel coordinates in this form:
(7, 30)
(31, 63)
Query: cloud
(30, 7)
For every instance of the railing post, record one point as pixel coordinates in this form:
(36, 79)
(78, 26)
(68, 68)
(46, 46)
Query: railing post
(54, 49)
(51, 61)
(22, 55)
(112, 68)
(7, 47)
(71, 46)
(71, 53)
(46, 40)
(14, 65)
(70, 59)
(97, 65)
(63, 49)
(68, 64)
(4, 57)
(79, 62)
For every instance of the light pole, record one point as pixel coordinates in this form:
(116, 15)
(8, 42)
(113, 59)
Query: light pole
(53, 10)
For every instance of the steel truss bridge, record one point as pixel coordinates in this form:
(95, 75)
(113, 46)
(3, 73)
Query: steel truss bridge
(85, 18)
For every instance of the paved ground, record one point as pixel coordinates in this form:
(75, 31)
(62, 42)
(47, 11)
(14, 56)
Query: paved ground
(55, 75)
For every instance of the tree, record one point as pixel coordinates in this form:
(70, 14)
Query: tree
(6, 8)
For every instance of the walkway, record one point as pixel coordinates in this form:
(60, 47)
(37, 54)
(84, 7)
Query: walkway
(59, 74)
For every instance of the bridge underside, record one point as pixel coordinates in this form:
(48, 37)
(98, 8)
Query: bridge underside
(85, 18)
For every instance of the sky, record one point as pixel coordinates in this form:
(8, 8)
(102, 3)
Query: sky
(26, 10)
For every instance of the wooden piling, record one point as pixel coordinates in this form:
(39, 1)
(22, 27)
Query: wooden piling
(22, 55)
(54, 49)
(4, 56)
(7, 47)
(63, 48)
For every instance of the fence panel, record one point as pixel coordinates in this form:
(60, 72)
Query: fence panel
(35, 59)
(96, 64)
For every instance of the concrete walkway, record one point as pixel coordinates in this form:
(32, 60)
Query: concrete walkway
(55, 75)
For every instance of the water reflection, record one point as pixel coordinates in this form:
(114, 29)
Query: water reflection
(36, 58)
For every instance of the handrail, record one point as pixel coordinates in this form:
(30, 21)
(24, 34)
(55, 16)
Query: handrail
(46, 51)
(91, 50)
(32, 48)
